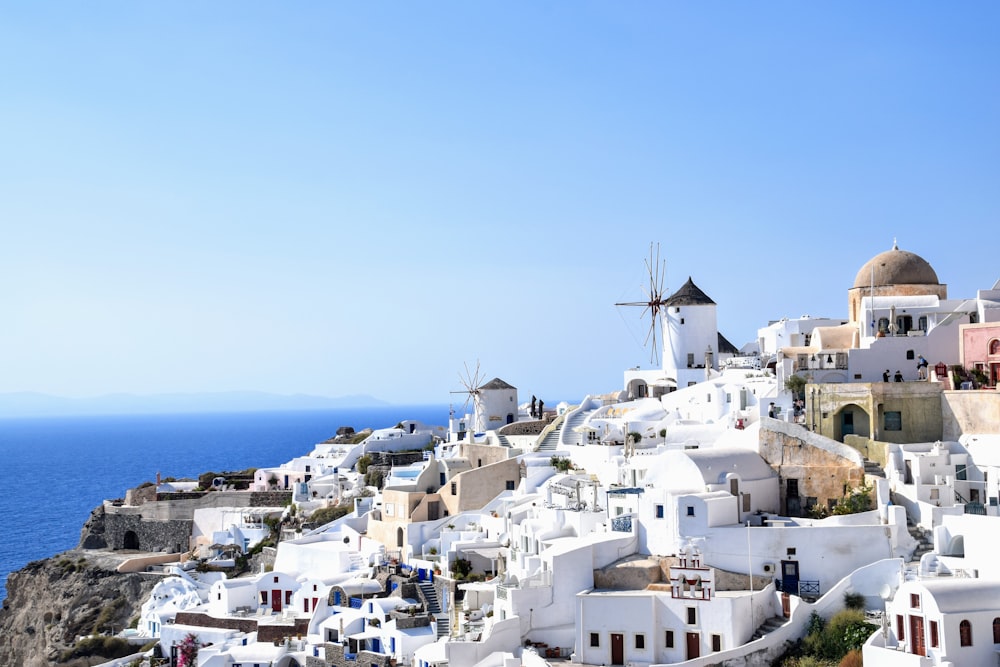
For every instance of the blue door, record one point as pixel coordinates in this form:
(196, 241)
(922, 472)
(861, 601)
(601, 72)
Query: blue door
(790, 576)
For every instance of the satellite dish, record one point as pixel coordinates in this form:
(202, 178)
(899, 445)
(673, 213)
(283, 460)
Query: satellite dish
(885, 592)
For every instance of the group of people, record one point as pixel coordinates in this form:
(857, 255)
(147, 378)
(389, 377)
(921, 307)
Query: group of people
(898, 377)
(921, 371)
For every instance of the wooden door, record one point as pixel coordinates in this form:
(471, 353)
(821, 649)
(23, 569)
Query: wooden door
(917, 635)
(275, 600)
(617, 649)
(693, 645)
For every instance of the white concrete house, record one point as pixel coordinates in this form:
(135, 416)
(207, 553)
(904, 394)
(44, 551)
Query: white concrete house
(686, 621)
(949, 622)
(924, 478)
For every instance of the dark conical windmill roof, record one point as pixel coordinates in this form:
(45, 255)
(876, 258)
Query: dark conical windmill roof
(689, 295)
(497, 383)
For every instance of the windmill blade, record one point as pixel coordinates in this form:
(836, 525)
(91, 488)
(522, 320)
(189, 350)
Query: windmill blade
(655, 301)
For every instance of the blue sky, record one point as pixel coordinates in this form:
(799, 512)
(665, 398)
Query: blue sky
(342, 198)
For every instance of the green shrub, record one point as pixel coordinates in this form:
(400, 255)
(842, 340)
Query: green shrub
(362, 465)
(328, 514)
(854, 601)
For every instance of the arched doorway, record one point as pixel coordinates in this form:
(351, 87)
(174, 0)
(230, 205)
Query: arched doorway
(399, 537)
(130, 541)
(852, 419)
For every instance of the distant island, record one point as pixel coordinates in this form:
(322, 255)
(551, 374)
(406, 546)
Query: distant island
(32, 404)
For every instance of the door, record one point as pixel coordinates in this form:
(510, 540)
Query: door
(917, 635)
(790, 576)
(847, 423)
(617, 649)
(693, 645)
(275, 600)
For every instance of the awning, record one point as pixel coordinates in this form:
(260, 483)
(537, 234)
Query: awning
(490, 553)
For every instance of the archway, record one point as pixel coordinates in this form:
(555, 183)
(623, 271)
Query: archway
(130, 541)
(851, 419)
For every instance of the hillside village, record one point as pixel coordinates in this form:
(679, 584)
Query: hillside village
(699, 515)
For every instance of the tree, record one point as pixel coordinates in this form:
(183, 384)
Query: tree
(797, 385)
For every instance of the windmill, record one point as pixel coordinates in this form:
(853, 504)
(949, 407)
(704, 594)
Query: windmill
(654, 303)
(471, 381)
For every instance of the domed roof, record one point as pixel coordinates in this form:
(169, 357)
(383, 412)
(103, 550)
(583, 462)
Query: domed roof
(896, 267)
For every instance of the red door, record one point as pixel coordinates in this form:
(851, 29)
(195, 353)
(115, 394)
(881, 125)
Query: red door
(693, 645)
(917, 635)
(276, 600)
(617, 649)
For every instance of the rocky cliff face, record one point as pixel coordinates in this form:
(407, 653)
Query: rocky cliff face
(51, 603)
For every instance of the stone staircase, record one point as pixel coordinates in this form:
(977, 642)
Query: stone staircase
(768, 626)
(874, 469)
(924, 544)
(434, 607)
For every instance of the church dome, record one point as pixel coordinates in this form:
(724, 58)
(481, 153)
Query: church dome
(896, 267)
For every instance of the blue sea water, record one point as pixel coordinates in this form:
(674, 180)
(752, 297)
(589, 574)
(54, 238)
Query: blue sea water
(55, 470)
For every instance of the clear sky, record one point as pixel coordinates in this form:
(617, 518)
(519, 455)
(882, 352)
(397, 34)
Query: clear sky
(361, 197)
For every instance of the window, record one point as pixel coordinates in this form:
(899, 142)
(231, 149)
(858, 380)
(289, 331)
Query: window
(640, 641)
(288, 597)
(659, 511)
(690, 510)
(716, 643)
(900, 634)
(960, 472)
(893, 421)
(914, 601)
(996, 630)
(682, 320)
(934, 634)
(510, 485)
(595, 639)
(275, 580)
(690, 359)
(454, 488)
(692, 615)
(934, 494)
(263, 597)
(792, 488)
(965, 633)
(670, 639)
(790, 551)
(909, 355)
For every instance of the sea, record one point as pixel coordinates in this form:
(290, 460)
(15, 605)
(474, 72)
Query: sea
(55, 470)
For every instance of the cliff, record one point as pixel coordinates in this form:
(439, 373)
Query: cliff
(51, 603)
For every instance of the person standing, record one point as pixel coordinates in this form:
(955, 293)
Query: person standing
(885, 375)
(921, 368)
(898, 377)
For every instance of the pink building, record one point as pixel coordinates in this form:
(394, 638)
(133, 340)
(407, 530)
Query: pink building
(979, 349)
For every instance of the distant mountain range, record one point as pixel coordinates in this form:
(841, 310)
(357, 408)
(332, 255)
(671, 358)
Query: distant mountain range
(31, 404)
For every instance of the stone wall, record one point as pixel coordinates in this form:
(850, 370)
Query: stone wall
(822, 468)
(131, 531)
(335, 656)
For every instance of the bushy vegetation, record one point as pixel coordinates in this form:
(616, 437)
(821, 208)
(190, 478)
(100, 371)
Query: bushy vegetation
(332, 513)
(362, 464)
(832, 643)
(560, 464)
(461, 568)
(797, 385)
(104, 647)
(855, 501)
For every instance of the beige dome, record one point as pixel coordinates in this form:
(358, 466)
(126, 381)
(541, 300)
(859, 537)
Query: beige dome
(896, 267)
